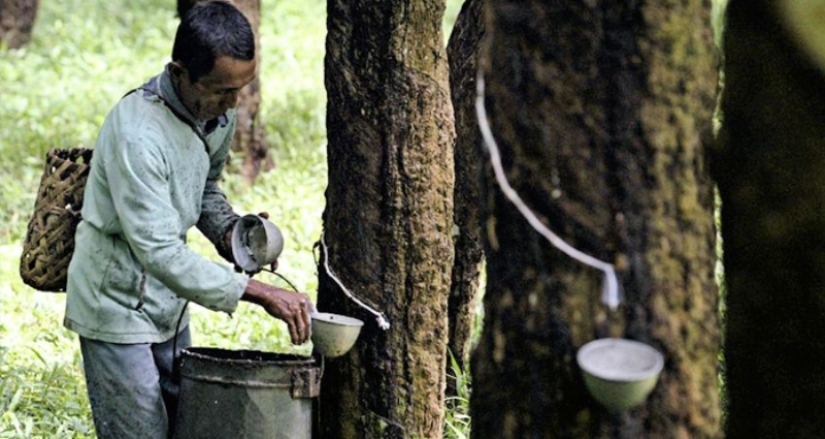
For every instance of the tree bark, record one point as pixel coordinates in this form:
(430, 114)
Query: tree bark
(250, 140)
(769, 171)
(602, 111)
(462, 52)
(17, 19)
(389, 216)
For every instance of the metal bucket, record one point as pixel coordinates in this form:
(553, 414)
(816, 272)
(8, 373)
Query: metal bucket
(245, 394)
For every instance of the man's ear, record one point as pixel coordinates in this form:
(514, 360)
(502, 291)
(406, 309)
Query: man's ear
(177, 70)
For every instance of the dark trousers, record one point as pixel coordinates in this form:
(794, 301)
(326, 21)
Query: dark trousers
(132, 388)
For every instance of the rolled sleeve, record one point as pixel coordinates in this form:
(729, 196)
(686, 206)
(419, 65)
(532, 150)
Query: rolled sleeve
(217, 216)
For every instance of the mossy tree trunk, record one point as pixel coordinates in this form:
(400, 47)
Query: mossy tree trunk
(769, 171)
(462, 51)
(17, 19)
(249, 141)
(602, 111)
(389, 216)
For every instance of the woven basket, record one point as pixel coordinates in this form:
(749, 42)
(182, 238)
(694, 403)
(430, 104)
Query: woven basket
(50, 236)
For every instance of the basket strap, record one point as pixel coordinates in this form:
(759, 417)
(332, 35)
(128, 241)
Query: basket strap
(142, 292)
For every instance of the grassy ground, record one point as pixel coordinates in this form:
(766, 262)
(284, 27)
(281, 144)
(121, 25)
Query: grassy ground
(55, 93)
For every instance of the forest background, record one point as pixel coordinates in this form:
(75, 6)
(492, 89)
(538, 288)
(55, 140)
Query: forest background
(56, 91)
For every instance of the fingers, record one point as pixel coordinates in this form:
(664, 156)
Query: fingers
(264, 215)
(293, 332)
(305, 319)
(291, 307)
(311, 308)
(300, 322)
(250, 273)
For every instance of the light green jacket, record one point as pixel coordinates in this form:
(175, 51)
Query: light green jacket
(151, 180)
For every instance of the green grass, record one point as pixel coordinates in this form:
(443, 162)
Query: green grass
(457, 421)
(56, 92)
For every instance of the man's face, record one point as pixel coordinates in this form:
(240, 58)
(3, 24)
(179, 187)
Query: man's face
(215, 93)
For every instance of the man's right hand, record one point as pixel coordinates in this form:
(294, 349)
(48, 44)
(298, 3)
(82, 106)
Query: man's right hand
(293, 308)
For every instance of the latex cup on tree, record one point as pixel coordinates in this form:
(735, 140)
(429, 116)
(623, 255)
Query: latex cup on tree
(619, 373)
(334, 335)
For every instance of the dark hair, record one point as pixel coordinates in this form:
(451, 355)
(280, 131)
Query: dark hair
(209, 30)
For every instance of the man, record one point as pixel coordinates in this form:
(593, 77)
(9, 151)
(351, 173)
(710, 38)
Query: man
(154, 175)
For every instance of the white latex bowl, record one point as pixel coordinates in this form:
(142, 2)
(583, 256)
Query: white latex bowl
(334, 335)
(619, 373)
(256, 242)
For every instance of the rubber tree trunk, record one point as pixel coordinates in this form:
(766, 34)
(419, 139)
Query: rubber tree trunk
(602, 111)
(17, 19)
(389, 216)
(249, 141)
(462, 51)
(769, 170)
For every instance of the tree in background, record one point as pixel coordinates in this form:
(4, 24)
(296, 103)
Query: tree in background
(602, 111)
(462, 51)
(769, 170)
(389, 216)
(249, 140)
(17, 22)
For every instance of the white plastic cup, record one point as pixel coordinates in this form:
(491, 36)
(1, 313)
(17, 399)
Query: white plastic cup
(334, 335)
(619, 373)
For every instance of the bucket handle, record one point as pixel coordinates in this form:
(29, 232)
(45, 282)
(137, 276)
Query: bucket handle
(306, 383)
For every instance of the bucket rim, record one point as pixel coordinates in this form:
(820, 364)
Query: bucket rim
(246, 356)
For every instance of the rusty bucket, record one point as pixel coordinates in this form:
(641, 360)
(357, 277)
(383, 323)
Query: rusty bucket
(245, 395)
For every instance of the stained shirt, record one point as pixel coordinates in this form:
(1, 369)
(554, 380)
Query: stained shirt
(151, 180)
